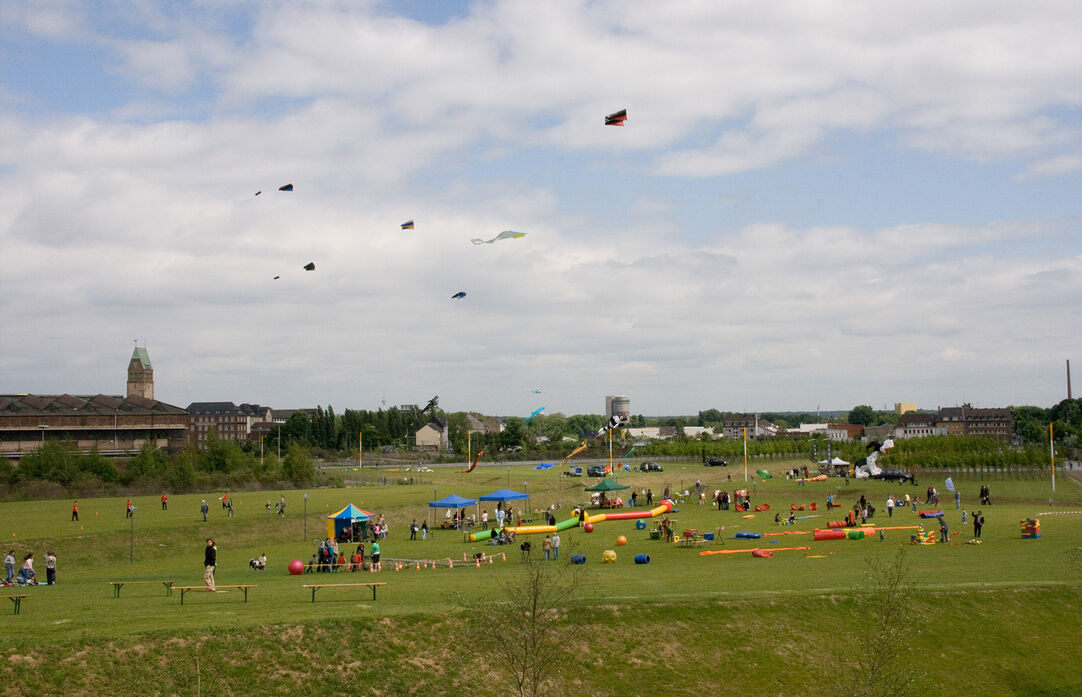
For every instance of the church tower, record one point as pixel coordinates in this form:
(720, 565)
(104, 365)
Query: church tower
(140, 374)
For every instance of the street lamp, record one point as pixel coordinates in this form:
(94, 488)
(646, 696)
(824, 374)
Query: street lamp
(306, 516)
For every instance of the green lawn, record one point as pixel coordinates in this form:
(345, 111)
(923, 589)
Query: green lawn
(1003, 613)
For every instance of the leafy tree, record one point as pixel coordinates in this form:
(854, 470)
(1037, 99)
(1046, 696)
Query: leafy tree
(221, 455)
(514, 432)
(150, 462)
(527, 613)
(862, 415)
(297, 465)
(888, 665)
(710, 417)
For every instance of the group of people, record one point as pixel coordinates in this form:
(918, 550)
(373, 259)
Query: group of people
(328, 558)
(26, 575)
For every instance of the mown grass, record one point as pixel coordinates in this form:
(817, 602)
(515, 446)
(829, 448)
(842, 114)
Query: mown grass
(1004, 615)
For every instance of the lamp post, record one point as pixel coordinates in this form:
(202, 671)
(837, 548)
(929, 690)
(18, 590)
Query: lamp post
(42, 428)
(306, 516)
(131, 538)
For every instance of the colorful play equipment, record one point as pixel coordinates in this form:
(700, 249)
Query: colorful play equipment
(642, 558)
(860, 533)
(765, 475)
(762, 553)
(640, 524)
(930, 514)
(831, 524)
(763, 507)
(621, 540)
(923, 537)
(1031, 528)
(578, 558)
(747, 536)
(296, 567)
(711, 552)
(662, 508)
(608, 556)
(820, 478)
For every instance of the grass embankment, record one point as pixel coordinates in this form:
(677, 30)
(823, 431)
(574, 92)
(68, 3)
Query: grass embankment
(1003, 616)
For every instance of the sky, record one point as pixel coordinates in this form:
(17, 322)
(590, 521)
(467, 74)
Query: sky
(811, 205)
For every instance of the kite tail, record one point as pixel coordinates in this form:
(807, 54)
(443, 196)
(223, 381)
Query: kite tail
(573, 453)
(629, 451)
(472, 466)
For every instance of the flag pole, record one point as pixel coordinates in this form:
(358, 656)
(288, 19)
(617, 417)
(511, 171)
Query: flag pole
(1052, 453)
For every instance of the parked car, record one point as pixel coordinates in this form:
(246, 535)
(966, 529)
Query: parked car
(595, 470)
(897, 475)
(715, 462)
(651, 467)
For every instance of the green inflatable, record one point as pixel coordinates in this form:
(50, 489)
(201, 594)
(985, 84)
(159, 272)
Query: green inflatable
(765, 475)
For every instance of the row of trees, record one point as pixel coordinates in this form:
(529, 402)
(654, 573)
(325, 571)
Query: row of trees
(61, 466)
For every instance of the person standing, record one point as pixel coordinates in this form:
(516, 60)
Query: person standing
(649, 497)
(424, 530)
(978, 523)
(413, 529)
(890, 506)
(282, 506)
(555, 547)
(129, 509)
(50, 568)
(375, 556)
(75, 512)
(165, 501)
(547, 546)
(210, 560)
(942, 529)
(957, 499)
(9, 566)
(204, 508)
(229, 509)
(484, 520)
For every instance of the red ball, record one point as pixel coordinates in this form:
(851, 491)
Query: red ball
(296, 567)
(589, 527)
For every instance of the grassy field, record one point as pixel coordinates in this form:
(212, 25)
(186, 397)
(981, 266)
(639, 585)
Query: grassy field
(1003, 616)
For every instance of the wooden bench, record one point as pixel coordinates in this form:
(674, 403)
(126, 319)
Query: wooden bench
(317, 586)
(117, 585)
(184, 589)
(17, 601)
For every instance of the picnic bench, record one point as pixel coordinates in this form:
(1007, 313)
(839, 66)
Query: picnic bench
(184, 589)
(117, 585)
(17, 601)
(317, 586)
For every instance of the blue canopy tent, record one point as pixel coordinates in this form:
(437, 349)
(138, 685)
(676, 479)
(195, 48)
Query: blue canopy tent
(504, 495)
(452, 501)
(344, 519)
